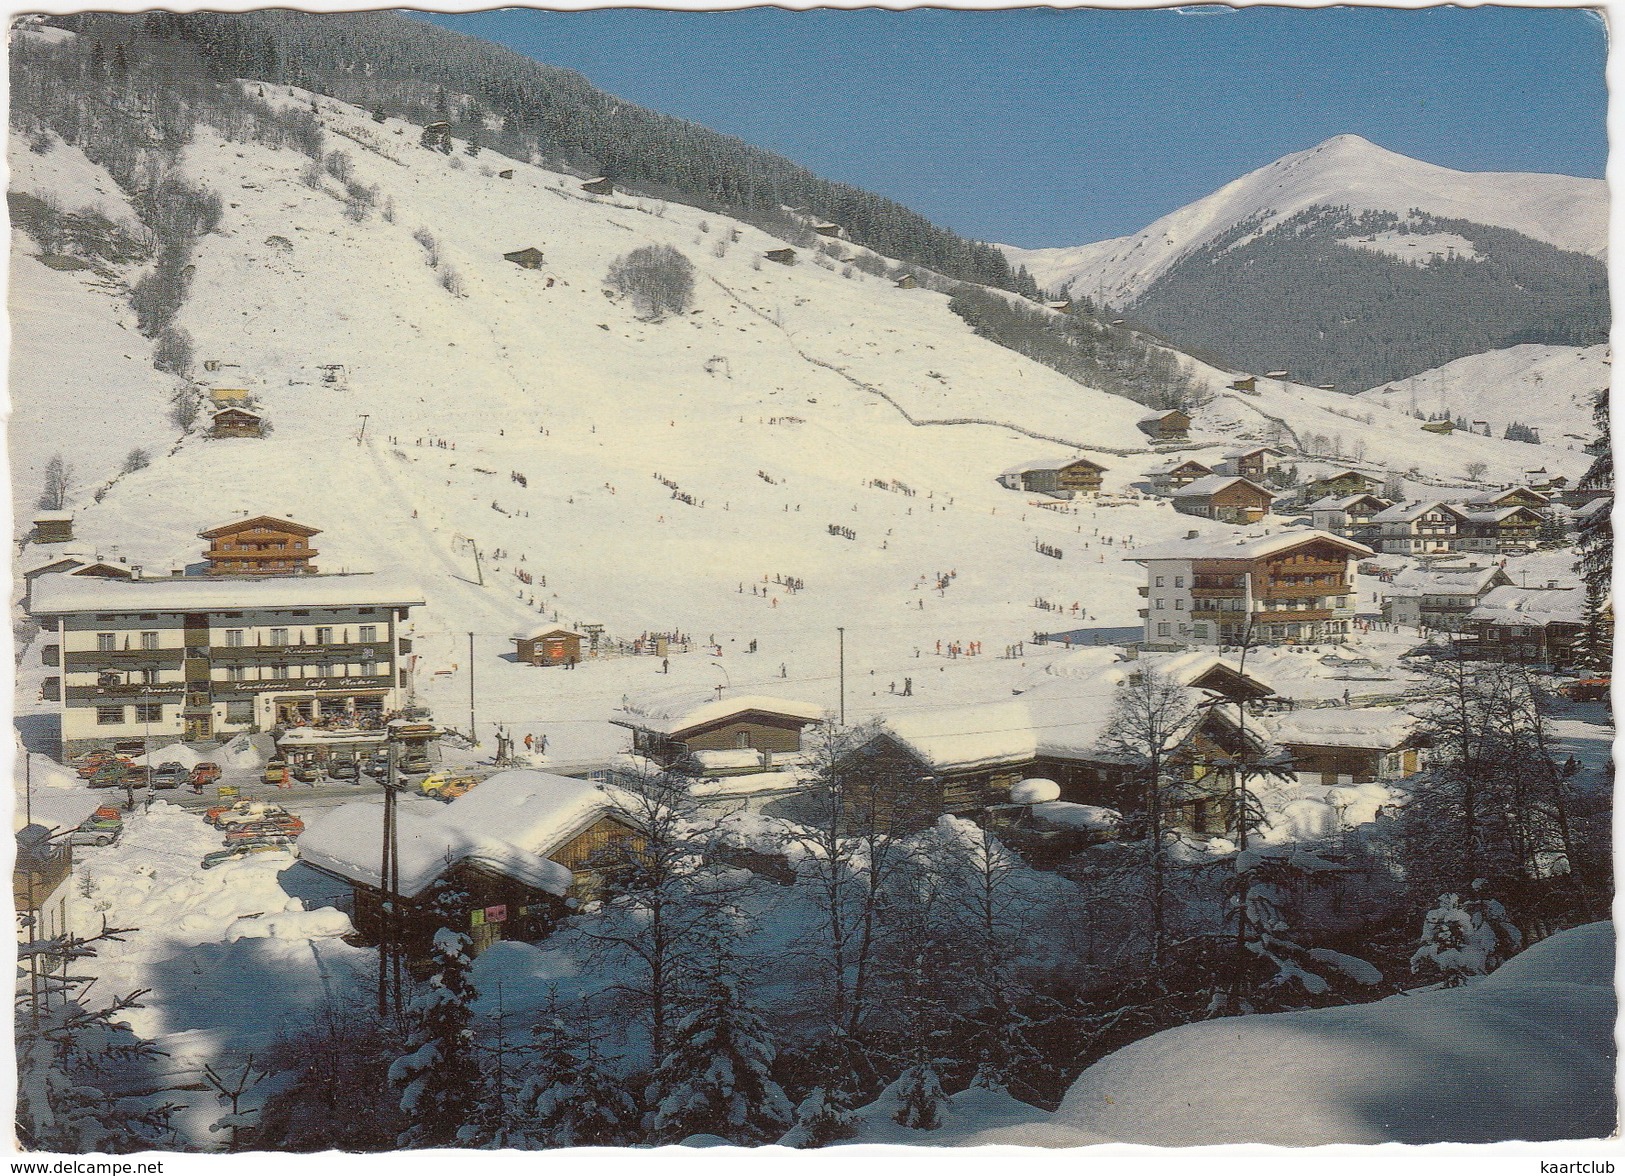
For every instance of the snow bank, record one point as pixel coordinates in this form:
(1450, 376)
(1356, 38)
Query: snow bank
(1526, 1053)
(325, 923)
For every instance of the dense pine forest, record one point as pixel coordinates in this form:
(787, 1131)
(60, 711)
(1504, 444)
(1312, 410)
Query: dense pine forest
(1297, 298)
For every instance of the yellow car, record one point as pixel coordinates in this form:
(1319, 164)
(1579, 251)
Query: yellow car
(445, 786)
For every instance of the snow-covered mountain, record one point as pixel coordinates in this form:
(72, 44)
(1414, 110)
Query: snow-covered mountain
(1569, 213)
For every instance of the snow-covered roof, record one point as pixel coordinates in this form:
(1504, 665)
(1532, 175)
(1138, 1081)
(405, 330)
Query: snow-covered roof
(1213, 483)
(1053, 463)
(550, 631)
(1243, 546)
(1238, 454)
(1084, 817)
(1339, 502)
(61, 592)
(1511, 605)
(1442, 580)
(507, 825)
(1497, 514)
(53, 516)
(1190, 667)
(1376, 728)
(674, 714)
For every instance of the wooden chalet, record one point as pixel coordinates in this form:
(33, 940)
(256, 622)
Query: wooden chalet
(506, 860)
(236, 422)
(599, 186)
(1227, 500)
(1531, 626)
(1172, 425)
(1181, 475)
(1441, 597)
(1245, 384)
(829, 229)
(1417, 528)
(260, 546)
(907, 282)
(1350, 745)
(1509, 530)
(1511, 496)
(782, 256)
(1349, 516)
(550, 647)
(1342, 484)
(53, 526)
(505, 174)
(1250, 463)
(1062, 477)
(527, 258)
(666, 731)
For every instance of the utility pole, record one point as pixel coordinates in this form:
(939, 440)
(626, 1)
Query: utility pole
(842, 633)
(361, 437)
(473, 732)
(386, 906)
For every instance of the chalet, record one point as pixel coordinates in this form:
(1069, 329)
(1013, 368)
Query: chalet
(231, 397)
(53, 526)
(667, 730)
(1350, 745)
(1416, 528)
(1511, 496)
(550, 647)
(1063, 307)
(1349, 516)
(829, 229)
(529, 258)
(1287, 588)
(505, 174)
(1062, 477)
(1511, 530)
(1445, 428)
(260, 546)
(199, 657)
(907, 282)
(506, 860)
(1251, 463)
(1439, 599)
(1180, 474)
(600, 186)
(967, 760)
(782, 256)
(1171, 425)
(1228, 500)
(1277, 375)
(1533, 626)
(1245, 384)
(1341, 484)
(236, 422)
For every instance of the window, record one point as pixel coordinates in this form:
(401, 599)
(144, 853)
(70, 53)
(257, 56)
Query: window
(1179, 581)
(240, 711)
(51, 689)
(149, 640)
(236, 673)
(149, 712)
(324, 635)
(1201, 631)
(109, 716)
(1179, 603)
(106, 642)
(234, 637)
(1160, 580)
(1159, 603)
(1162, 629)
(279, 636)
(51, 655)
(369, 633)
(369, 669)
(147, 677)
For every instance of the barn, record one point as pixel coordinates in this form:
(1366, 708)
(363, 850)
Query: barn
(1171, 425)
(668, 729)
(782, 256)
(236, 422)
(599, 186)
(527, 258)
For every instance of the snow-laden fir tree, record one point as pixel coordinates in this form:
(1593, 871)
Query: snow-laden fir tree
(570, 1096)
(919, 1098)
(1463, 938)
(438, 1077)
(717, 1078)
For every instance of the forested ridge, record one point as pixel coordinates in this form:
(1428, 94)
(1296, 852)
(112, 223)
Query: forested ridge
(496, 98)
(1293, 297)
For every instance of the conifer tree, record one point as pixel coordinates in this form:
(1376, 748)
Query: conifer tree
(570, 1097)
(438, 1077)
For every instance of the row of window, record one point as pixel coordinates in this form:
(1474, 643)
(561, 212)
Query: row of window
(1199, 631)
(368, 669)
(239, 711)
(236, 638)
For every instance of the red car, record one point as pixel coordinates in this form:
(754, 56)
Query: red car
(204, 774)
(277, 827)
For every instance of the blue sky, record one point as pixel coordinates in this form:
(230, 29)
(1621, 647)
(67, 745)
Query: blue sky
(1055, 127)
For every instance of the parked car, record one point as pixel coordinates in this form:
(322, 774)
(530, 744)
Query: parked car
(377, 768)
(204, 774)
(414, 766)
(276, 772)
(237, 852)
(306, 773)
(243, 811)
(95, 836)
(170, 776)
(456, 787)
(436, 784)
(344, 770)
(285, 825)
(1586, 689)
(92, 762)
(108, 776)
